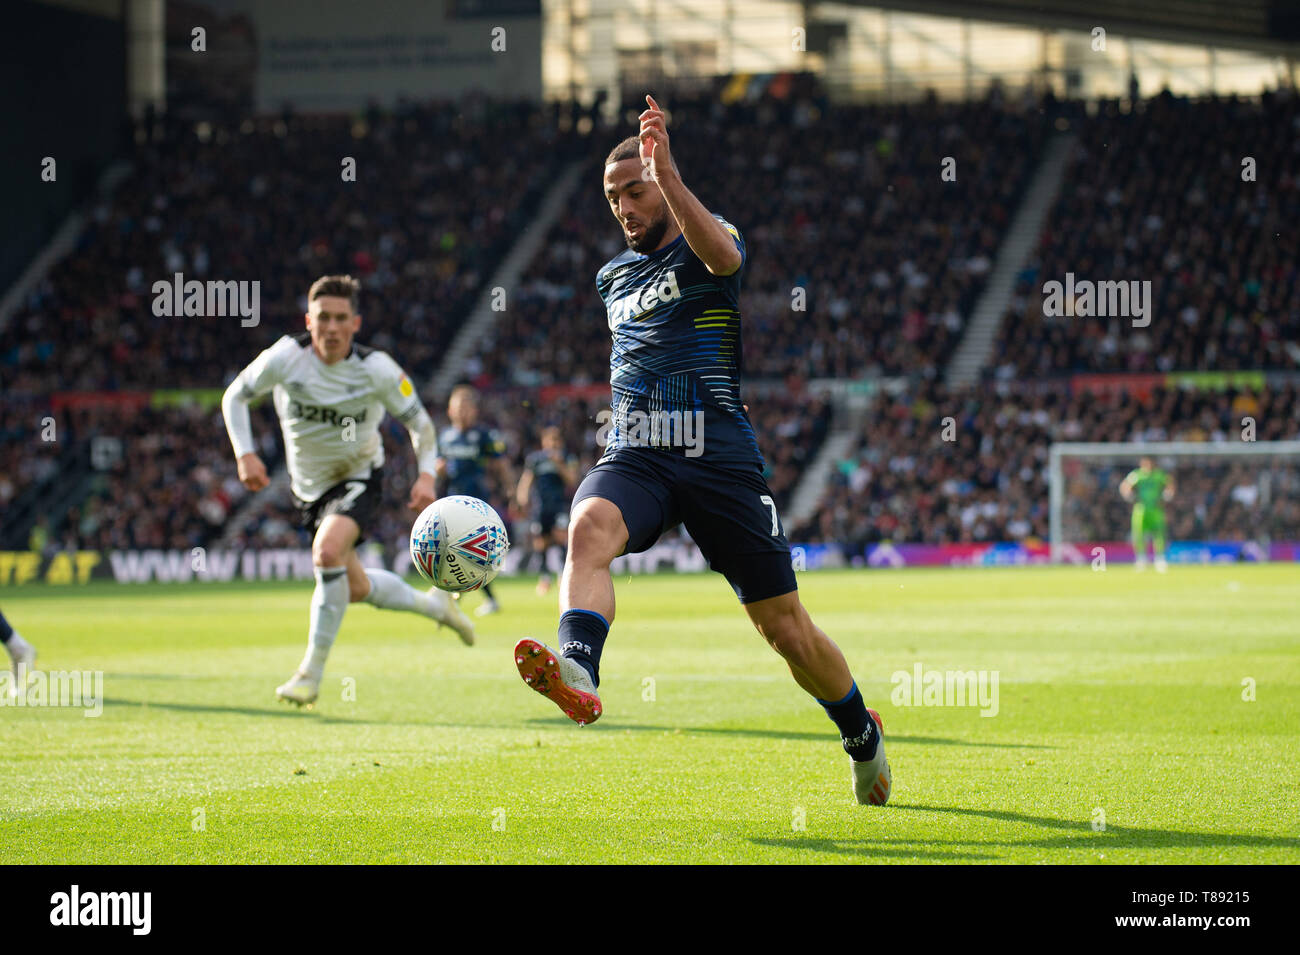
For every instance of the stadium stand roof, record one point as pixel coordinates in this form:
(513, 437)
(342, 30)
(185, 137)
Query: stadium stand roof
(1271, 26)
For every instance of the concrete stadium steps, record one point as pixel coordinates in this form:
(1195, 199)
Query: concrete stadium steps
(976, 347)
(483, 317)
(807, 496)
(279, 484)
(62, 243)
(53, 497)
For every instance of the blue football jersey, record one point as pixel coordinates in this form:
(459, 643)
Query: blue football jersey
(549, 490)
(467, 453)
(675, 361)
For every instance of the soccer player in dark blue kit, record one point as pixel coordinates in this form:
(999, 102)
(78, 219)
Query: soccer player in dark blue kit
(543, 489)
(467, 451)
(681, 451)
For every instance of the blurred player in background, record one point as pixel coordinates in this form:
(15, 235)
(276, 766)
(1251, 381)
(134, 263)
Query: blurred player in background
(330, 394)
(1148, 488)
(467, 451)
(543, 492)
(22, 655)
(671, 302)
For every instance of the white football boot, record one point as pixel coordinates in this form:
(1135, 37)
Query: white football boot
(24, 663)
(452, 616)
(301, 690)
(559, 679)
(872, 781)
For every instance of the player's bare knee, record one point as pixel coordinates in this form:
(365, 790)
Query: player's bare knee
(590, 543)
(789, 631)
(326, 553)
(793, 642)
(596, 535)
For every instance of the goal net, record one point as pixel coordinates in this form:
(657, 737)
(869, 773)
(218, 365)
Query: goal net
(1231, 501)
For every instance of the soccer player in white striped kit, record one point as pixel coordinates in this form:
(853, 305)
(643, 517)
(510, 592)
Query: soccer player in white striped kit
(330, 394)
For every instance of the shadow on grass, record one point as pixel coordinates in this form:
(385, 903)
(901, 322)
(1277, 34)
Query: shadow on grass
(1080, 835)
(875, 848)
(288, 710)
(829, 734)
(283, 709)
(155, 676)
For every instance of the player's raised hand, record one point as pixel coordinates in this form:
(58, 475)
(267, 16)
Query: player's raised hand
(422, 492)
(655, 156)
(252, 472)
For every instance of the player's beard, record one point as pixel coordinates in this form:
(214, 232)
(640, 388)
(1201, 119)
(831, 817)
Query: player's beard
(653, 234)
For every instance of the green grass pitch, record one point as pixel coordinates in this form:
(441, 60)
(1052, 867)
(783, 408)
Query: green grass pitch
(1122, 735)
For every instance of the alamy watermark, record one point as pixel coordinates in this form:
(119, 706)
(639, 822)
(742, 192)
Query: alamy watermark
(70, 688)
(180, 298)
(131, 910)
(922, 687)
(652, 429)
(1086, 299)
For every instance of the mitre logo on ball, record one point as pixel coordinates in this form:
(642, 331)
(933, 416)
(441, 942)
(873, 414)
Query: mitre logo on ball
(458, 543)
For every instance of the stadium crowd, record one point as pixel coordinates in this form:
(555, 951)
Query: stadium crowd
(940, 467)
(157, 479)
(862, 260)
(29, 460)
(441, 191)
(1199, 198)
(842, 204)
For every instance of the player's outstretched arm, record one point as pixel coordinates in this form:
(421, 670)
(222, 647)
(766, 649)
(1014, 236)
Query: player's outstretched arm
(1126, 489)
(568, 471)
(706, 236)
(397, 394)
(258, 378)
(424, 439)
(252, 472)
(505, 474)
(422, 492)
(239, 427)
(524, 490)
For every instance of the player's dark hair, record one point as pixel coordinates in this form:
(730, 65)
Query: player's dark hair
(464, 388)
(629, 148)
(343, 286)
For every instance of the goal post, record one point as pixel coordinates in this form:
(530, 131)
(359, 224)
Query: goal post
(1247, 492)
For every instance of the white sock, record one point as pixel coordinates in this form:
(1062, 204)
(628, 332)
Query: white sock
(16, 645)
(390, 592)
(328, 601)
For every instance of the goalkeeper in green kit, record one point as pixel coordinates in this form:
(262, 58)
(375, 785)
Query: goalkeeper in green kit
(1148, 488)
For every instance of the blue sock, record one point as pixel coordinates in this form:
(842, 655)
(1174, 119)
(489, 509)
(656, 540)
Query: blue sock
(857, 731)
(6, 631)
(582, 636)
